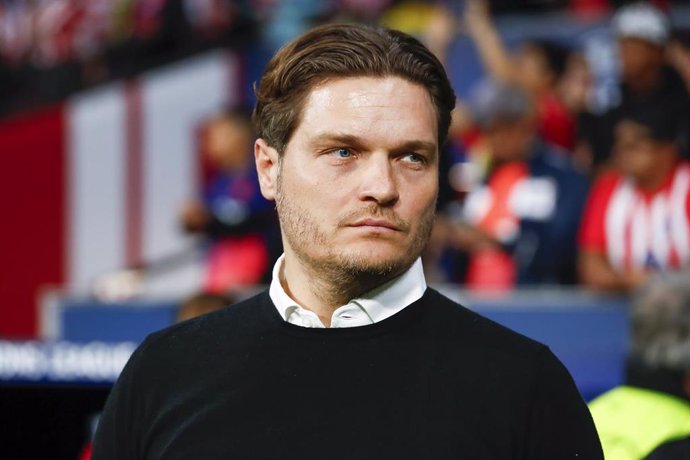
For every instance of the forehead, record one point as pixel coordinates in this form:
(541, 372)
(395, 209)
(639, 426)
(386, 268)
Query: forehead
(638, 45)
(382, 108)
(631, 131)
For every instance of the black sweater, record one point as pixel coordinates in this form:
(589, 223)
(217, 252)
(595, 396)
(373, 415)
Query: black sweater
(434, 381)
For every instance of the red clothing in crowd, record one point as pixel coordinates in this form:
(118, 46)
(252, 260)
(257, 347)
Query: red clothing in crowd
(636, 228)
(86, 452)
(556, 123)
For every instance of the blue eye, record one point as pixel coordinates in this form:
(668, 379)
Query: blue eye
(415, 158)
(343, 153)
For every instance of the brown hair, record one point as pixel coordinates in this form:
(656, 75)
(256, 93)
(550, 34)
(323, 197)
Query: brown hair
(343, 50)
(660, 317)
(202, 303)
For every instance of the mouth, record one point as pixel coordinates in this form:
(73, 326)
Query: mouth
(376, 224)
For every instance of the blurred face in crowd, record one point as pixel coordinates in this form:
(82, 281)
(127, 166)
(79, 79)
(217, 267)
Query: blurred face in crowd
(510, 140)
(534, 72)
(639, 156)
(575, 85)
(638, 58)
(229, 142)
(356, 185)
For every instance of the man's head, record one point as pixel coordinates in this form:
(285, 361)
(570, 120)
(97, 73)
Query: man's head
(202, 303)
(507, 118)
(646, 144)
(338, 51)
(541, 64)
(350, 120)
(228, 139)
(642, 32)
(661, 323)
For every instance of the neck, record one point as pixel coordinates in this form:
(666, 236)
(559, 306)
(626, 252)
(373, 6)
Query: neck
(324, 289)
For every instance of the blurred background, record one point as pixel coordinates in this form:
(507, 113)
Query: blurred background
(129, 199)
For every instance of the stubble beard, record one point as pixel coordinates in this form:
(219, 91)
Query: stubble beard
(339, 275)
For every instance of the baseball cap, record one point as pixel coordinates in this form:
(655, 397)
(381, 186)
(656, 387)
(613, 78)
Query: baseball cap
(643, 21)
(661, 120)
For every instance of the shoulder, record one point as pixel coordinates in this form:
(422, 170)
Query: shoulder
(682, 182)
(592, 234)
(608, 178)
(683, 168)
(499, 351)
(460, 324)
(551, 160)
(672, 450)
(519, 373)
(237, 322)
(605, 185)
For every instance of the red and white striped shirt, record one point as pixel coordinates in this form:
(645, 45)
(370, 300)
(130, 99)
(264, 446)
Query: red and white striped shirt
(638, 229)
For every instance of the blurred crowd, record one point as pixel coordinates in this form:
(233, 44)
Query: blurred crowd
(51, 48)
(546, 189)
(539, 186)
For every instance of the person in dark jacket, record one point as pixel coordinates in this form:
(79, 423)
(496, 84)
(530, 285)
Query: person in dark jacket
(642, 32)
(526, 210)
(348, 354)
(653, 406)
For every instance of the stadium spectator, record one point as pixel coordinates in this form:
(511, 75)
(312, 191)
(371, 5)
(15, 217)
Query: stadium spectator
(232, 213)
(521, 221)
(536, 67)
(637, 219)
(642, 32)
(49, 49)
(653, 405)
(202, 303)
(576, 88)
(340, 357)
(678, 449)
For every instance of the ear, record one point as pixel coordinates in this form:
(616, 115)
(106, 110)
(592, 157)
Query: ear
(267, 164)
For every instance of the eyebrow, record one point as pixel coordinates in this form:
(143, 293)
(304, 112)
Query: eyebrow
(349, 139)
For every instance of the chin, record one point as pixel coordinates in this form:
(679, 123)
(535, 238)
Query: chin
(377, 261)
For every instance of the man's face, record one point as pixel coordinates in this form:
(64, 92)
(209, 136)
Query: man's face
(228, 143)
(635, 153)
(534, 73)
(510, 140)
(637, 57)
(356, 186)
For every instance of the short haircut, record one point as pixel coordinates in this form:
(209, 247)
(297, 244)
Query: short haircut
(555, 54)
(237, 114)
(202, 303)
(660, 316)
(343, 50)
(661, 120)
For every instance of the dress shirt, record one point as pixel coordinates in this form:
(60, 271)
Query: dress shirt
(372, 307)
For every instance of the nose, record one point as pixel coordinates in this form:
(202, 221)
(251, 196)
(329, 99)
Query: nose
(378, 182)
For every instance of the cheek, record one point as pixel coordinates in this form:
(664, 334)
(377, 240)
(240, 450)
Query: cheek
(317, 197)
(634, 58)
(635, 161)
(421, 199)
(647, 161)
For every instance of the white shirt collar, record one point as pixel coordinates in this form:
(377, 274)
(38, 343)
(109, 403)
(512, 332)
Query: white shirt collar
(374, 306)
